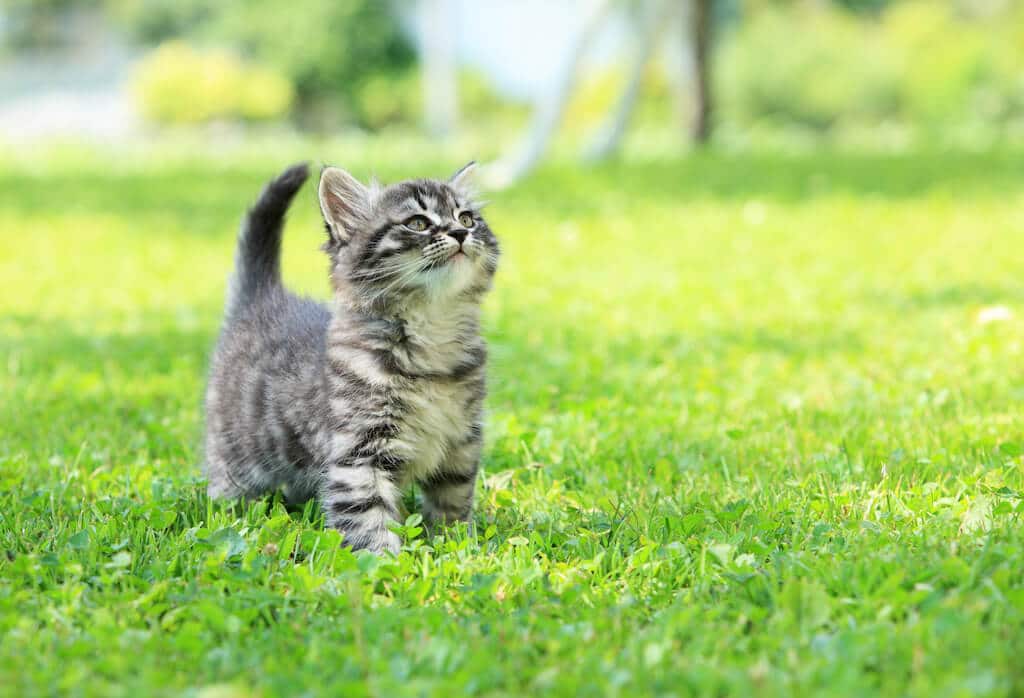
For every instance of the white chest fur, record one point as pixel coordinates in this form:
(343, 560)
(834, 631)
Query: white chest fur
(433, 417)
(434, 420)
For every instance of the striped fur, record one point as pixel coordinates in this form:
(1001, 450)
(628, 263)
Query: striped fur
(382, 387)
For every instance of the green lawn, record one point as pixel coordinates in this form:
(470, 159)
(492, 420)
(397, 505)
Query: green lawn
(750, 431)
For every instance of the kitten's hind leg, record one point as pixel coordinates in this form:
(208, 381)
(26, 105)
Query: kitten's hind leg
(219, 486)
(223, 482)
(297, 494)
(448, 494)
(230, 478)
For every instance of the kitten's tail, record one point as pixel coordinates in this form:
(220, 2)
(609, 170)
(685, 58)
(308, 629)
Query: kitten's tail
(258, 255)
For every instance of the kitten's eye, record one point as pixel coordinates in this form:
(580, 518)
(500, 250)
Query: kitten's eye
(417, 224)
(466, 219)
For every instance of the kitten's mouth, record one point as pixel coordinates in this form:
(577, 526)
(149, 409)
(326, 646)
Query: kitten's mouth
(456, 257)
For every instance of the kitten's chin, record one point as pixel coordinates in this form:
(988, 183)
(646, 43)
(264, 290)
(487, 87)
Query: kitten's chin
(455, 274)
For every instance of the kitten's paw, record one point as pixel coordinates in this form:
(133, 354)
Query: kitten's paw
(385, 542)
(390, 542)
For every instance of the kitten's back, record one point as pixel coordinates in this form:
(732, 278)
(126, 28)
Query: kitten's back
(266, 360)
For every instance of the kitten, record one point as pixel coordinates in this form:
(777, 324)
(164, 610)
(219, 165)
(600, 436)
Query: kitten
(380, 388)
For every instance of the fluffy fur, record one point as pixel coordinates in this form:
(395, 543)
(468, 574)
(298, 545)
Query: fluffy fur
(384, 386)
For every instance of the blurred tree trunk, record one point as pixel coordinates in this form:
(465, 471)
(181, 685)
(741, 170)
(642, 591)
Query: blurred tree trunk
(547, 115)
(439, 67)
(699, 22)
(646, 28)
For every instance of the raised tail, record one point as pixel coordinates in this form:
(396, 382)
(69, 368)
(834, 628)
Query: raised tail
(258, 255)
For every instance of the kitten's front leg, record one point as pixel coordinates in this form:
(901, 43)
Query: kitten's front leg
(360, 500)
(448, 494)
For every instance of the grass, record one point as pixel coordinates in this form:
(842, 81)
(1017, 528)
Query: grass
(749, 433)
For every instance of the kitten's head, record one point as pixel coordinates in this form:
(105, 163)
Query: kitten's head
(416, 240)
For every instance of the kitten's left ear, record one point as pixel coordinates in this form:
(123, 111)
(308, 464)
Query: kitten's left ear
(461, 180)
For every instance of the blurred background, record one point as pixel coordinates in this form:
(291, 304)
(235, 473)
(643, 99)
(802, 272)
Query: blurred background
(756, 404)
(513, 81)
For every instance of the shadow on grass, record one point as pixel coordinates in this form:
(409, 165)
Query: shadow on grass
(196, 202)
(577, 365)
(953, 295)
(134, 397)
(66, 388)
(44, 347)
(44, 344)
(211, 200)
(70, 386)
(782, 177)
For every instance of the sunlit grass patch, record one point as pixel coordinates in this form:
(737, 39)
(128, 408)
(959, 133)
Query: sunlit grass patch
(755, 426)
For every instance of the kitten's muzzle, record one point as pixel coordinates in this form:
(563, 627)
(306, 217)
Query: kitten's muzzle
(458, 235)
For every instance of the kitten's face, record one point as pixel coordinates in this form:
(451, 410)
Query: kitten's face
(421, 237)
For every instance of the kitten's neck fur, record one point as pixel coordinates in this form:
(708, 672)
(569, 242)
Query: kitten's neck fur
(422, 337)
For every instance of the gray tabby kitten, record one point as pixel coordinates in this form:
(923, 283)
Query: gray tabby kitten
(383, 386)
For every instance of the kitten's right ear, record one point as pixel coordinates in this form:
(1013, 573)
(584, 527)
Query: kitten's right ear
(462, 181)
(344, 202)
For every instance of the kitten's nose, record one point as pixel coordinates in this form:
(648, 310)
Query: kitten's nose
(459, 235)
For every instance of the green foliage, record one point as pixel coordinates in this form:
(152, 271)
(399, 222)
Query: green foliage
(864, 5)
(156, 21)
(37, 24)
(176, 84)
(755, 428)
(599, 94)
(328, 49)
(918, 62)
(799, 68)
(956, 69)
(480, 102)
(386, 100)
